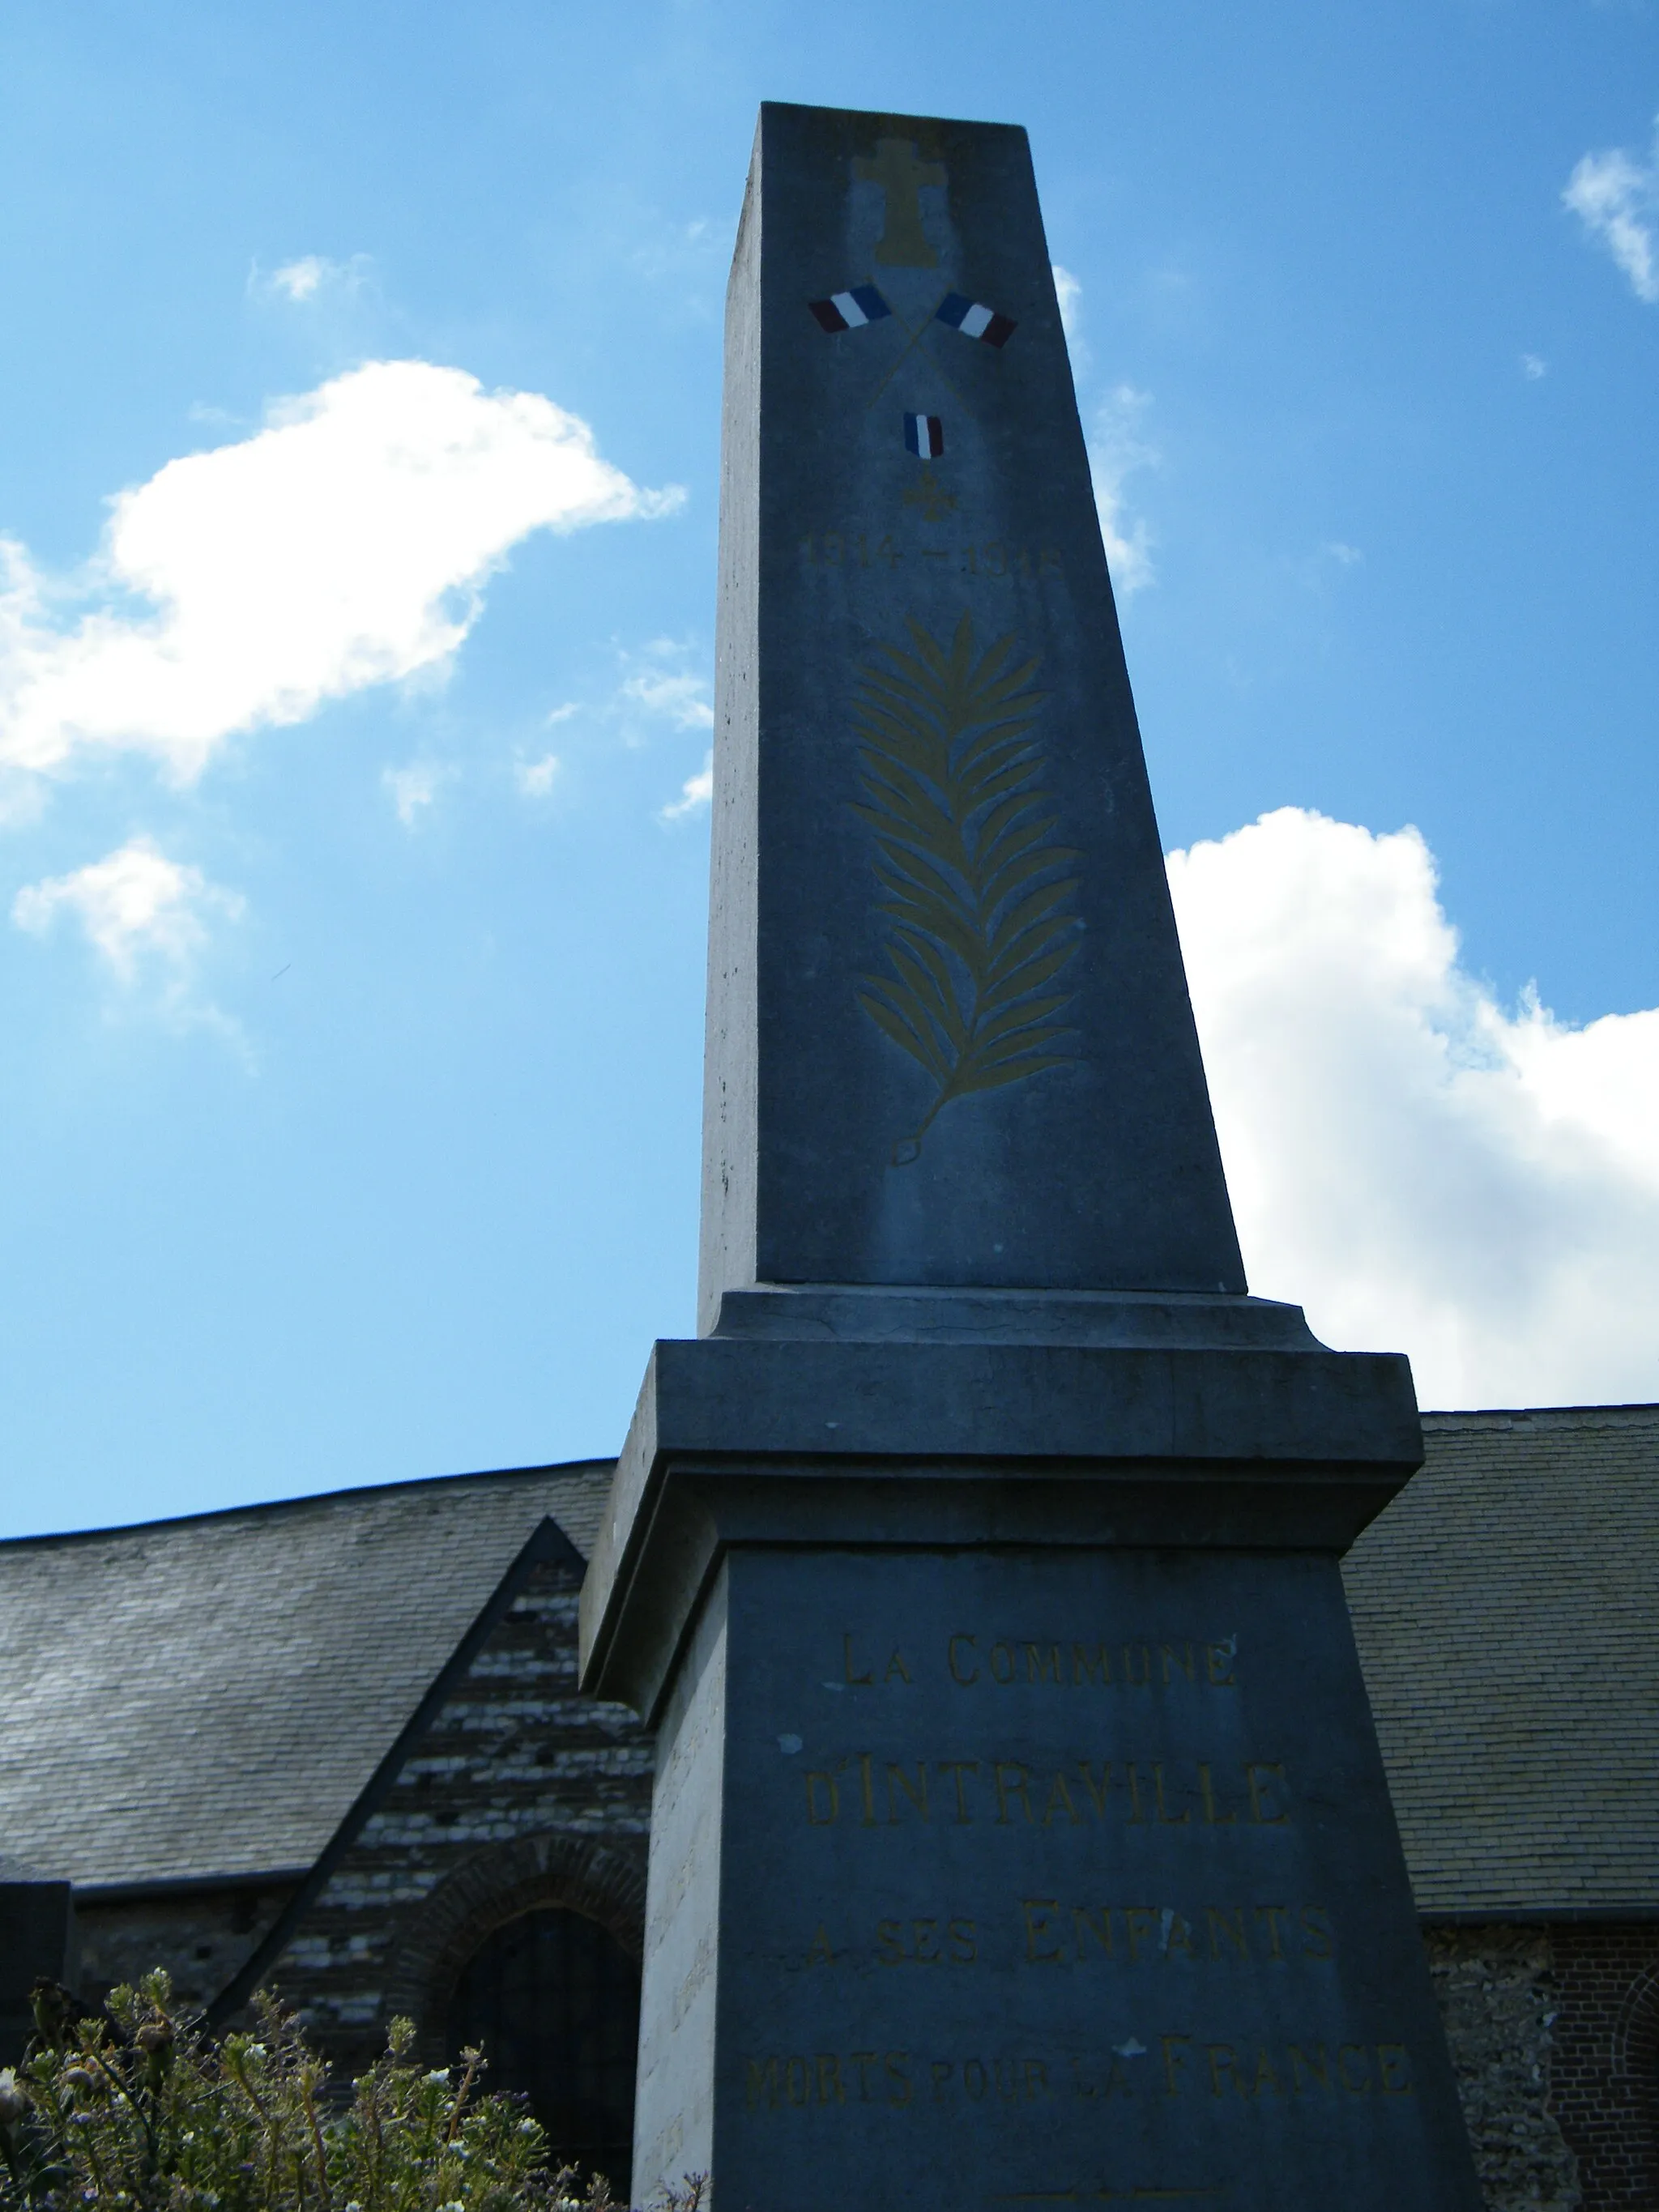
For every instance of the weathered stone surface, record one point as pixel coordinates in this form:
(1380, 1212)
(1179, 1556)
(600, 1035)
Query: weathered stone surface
(1009, 1876)
(952, 1898)
(1497, 1991)
(926, 748)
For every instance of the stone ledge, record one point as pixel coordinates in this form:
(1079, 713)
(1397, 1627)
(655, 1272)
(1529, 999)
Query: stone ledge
(898, 1442)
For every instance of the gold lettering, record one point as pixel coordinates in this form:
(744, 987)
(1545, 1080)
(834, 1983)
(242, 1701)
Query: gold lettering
(1272, 1914)
(856, 1681)
(1221, 2057)
(963, 1939)
(897, 168)
(1170, 1819)
(1315, 1931)
(864, 2060)
(1129, 1650)
(917, 1793)
(1173, 2057)
(1014, 1767)
(893, 2063)
(1215, 1819)
(869, 1788)
(1315, 2067)
(1219, 1925)
(896, 1666)
(1050, 564)
(805, 2078)
(764, 2080)
(1179, 1654)
(1393, 2069)
(1098, 1794)
(1036, 2080)
(1218, 1663)
(1260, 1793)
(830, 2078)
(959, 1767)
(1177, 1937)
(1361, 2087)
(941, 2070)
(926, 1931)
(1265, 2077)
(831, 1812)
(1037, 1911)
(1084, 1669)
(1098, 1923)
(1136, 1818)
(1142, 1924)
(1007, 1661)
(889, 1944)
(973, 2078)
(957, 1675)
(1041, 1668)
(1059, 1796)
(821, 1953)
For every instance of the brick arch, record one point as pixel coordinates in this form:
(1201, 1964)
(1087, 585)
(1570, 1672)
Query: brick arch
(1636, 2036)
(605, 1880)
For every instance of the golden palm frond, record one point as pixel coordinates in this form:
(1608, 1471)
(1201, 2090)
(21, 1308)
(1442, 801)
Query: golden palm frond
(978, 894)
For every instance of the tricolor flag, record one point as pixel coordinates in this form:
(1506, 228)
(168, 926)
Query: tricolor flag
(924, 436)
(973, 319)
(851, 311)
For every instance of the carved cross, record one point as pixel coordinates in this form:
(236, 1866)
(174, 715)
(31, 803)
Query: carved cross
(896, 167)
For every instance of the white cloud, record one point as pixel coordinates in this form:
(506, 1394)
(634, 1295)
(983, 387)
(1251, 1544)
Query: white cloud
(1116, 449)
(1345, 557)
(415, 787)
(682, 699)
(1423, 1169)
(346, 545)
(558, 715)
(1068, 290)
(1617, 200)
(536, 779)
(695, 792)
(1533, 366)
(310, 279)
(134, 906)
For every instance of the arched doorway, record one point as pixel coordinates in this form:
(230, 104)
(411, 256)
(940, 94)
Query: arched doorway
(552, 1999)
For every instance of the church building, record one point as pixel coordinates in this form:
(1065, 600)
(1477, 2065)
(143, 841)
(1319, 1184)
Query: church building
(336, 1747)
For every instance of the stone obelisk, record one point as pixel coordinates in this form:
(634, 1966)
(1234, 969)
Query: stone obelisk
(1020, 1836)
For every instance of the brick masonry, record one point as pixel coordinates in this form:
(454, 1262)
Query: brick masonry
(522, 1792)
(1606, 2060)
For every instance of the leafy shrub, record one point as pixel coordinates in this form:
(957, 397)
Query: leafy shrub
(142, 2109)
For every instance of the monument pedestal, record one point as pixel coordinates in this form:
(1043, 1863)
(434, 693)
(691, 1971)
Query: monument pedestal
(1020, 1836)
(1020, 1833)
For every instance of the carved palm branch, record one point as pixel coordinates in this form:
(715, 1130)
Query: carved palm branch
(978, 893)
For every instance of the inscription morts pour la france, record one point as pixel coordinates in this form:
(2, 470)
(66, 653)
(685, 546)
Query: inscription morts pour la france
(1020, 1835)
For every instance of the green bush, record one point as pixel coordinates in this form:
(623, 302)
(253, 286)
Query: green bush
(142, 2109)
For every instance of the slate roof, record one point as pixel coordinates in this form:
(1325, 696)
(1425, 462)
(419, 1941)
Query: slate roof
(1505, 1607)
(206, 1697)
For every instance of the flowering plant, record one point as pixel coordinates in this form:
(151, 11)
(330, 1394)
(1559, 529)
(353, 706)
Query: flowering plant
(142, 2109)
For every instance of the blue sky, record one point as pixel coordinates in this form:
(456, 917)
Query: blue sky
(353, 960)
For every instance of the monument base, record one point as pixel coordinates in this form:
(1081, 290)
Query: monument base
(1020, 1833)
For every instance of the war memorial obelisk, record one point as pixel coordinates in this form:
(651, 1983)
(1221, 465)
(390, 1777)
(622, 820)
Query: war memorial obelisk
(1020, 1837)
